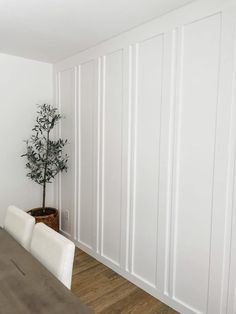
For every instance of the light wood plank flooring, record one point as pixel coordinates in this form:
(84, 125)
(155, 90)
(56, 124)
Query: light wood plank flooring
(106, 292)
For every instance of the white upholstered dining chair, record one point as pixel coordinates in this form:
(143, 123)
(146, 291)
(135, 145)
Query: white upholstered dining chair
(19, 225)
(54, 251)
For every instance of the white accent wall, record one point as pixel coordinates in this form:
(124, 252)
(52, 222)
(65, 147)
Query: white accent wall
(151, 117)
(23, 84)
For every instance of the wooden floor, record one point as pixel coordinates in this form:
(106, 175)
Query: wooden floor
(106, 292)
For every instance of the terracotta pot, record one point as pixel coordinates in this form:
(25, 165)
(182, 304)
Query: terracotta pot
(50, 217)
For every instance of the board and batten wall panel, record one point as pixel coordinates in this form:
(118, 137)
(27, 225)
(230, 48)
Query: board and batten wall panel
(152, 132)
(66, 97)
(111, 169)
(195, 147)
(149, 62)
(87, 121)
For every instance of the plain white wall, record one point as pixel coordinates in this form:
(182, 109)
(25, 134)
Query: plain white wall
(23, 84)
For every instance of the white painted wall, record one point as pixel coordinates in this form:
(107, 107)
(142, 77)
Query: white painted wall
(42, 31)
(150, 191)
(23, 84)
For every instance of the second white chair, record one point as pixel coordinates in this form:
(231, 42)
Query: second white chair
(54, 251)
(19, 225)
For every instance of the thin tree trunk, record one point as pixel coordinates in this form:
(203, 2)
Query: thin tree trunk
(45, 172)
(44, 195)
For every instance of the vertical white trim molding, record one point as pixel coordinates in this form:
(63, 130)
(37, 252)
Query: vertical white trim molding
(125, 170)
(59, 133)
(171, 139)
(102, 151)
(99, 121)
(134, 145)
(129, 154)
(176, 152)
(76, 104)
(78, 141)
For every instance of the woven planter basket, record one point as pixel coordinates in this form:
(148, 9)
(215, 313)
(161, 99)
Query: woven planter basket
(50, 218)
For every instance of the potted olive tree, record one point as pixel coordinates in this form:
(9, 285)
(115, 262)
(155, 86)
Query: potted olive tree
(45, 159)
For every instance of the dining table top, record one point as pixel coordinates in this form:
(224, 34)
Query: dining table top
(26, 286)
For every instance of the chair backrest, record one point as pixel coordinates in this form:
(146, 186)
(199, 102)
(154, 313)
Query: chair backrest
(54, 251)
(19, 225)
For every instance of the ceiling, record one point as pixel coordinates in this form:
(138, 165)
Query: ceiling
(50, 30)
